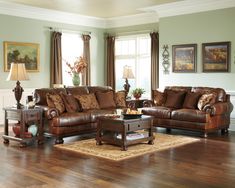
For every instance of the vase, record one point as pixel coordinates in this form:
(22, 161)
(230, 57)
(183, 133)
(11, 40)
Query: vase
(137, 96)
(76, 79)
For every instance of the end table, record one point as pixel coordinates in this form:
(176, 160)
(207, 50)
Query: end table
(25, 117)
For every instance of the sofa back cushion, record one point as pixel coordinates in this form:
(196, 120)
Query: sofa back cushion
(71, 104)
(55, 101)
(105, 99)
(191, 100)
(94, 89)
(80, 90)
(179, 88)
(40, 94)
(174, 99)
(87, 101)
(221, 94)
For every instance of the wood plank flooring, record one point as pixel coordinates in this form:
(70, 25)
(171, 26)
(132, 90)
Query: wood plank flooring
(208, 163)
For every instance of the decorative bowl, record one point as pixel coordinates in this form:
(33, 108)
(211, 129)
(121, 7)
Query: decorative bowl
(33, 129)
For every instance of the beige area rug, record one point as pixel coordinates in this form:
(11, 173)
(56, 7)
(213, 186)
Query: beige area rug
(114, 153)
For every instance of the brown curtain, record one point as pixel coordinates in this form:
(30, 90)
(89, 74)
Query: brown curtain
(110, 61)
(86, 78)
(56, 59)
(154, 60)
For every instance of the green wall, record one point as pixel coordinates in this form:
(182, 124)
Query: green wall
(212, 26)
(19, 29)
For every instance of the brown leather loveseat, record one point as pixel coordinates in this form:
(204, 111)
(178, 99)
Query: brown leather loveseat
(76, 118)
(202, 109)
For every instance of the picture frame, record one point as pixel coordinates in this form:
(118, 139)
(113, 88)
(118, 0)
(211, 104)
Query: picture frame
(184, 57)
(27, 53)
(216, 56)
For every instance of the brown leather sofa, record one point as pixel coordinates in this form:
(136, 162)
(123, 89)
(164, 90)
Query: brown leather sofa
(70, 123)
(213, 116)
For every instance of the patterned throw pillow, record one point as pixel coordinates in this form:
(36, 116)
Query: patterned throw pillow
(70, 103)
(120, 99)
(105, 99)
(55, 101)
(88, 101)
(208, 98)
(159, 98)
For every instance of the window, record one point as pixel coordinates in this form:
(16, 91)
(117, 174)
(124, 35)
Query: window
(72, 47)
(134, 51)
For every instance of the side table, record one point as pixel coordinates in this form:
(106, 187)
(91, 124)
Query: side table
(25, 117)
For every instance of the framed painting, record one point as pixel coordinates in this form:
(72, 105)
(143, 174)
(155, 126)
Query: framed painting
(184, 57)
(27, 53)
(216, 56)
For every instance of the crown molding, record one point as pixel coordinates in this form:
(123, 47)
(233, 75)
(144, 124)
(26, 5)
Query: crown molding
(188, 7)
(122, 21)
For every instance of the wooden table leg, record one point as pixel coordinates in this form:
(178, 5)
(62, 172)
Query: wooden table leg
(124, 145)
(6, 141)
(98, 134)
(151, 133)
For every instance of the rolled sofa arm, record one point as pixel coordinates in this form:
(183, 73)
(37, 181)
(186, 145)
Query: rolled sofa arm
(51, 113)
(218, 108)
(148, 103)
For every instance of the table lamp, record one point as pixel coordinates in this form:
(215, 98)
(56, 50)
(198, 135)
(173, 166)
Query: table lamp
(17, 73)
(127, 74)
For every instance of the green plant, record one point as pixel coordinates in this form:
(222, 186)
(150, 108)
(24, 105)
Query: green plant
(138, 91)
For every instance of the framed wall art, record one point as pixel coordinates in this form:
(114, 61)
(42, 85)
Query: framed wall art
(216, 56)
(27, 53)
(184, 58)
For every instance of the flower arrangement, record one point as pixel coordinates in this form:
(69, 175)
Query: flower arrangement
(78, 66)
(138, 92)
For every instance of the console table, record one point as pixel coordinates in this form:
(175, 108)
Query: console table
(25, 117)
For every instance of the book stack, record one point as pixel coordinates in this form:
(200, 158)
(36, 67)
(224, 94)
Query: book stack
(132, 136)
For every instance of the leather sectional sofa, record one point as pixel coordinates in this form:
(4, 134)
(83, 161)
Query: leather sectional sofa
(201, 109)
(76, 121)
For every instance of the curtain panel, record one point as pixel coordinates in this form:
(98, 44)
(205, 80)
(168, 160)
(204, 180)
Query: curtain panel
(154, 60)
(110, 42)
(56, 59)
(86, 78)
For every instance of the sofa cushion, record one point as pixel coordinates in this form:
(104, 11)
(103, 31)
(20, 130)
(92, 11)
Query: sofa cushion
(105, 99)
(191, 115)
(88, 101)
(70, 103)
(120, 99)
(209, 98)
(94, 89)
(55, 101)
(174, 99)
(191, 100)
(159, 98)
(80, 90)
(158, 112)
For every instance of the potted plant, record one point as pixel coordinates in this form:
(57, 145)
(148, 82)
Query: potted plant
(138, 92)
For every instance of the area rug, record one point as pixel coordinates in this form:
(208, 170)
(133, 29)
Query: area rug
(114, 153)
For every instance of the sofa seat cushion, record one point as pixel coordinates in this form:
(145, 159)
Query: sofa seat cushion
(71, 119)
(191, 115)
(97, 113)
(158, 112)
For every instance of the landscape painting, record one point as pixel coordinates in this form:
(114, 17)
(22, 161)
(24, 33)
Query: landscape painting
(216, 56)
(184, 58)
(27, 53)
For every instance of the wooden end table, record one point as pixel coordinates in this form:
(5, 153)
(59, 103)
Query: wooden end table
(108, 128)
(25, 117)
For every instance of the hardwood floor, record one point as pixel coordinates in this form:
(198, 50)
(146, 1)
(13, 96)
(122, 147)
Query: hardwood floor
(207, 163)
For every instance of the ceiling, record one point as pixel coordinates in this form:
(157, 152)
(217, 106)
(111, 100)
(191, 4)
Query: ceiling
(95, 8)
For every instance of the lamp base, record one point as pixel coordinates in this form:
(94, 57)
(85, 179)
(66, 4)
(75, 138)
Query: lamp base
(18, 90)
(126, 87)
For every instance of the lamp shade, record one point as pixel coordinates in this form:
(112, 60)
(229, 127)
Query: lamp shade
(17, 72)
(127, 72)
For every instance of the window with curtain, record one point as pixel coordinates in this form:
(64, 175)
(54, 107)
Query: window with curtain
(72, 48)
(134, 51)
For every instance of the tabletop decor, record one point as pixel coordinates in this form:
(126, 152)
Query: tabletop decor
(137, 93)
(76, 69)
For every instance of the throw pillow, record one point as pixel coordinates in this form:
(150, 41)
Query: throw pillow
(88, 101)
(208, 98)
(105, 99)
(159, 98)
(55, 101)
(174, 99)
(120, 99)
(70, 103)
(191, 100)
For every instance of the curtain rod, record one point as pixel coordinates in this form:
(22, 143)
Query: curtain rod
(131, 32)
(67, 30)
